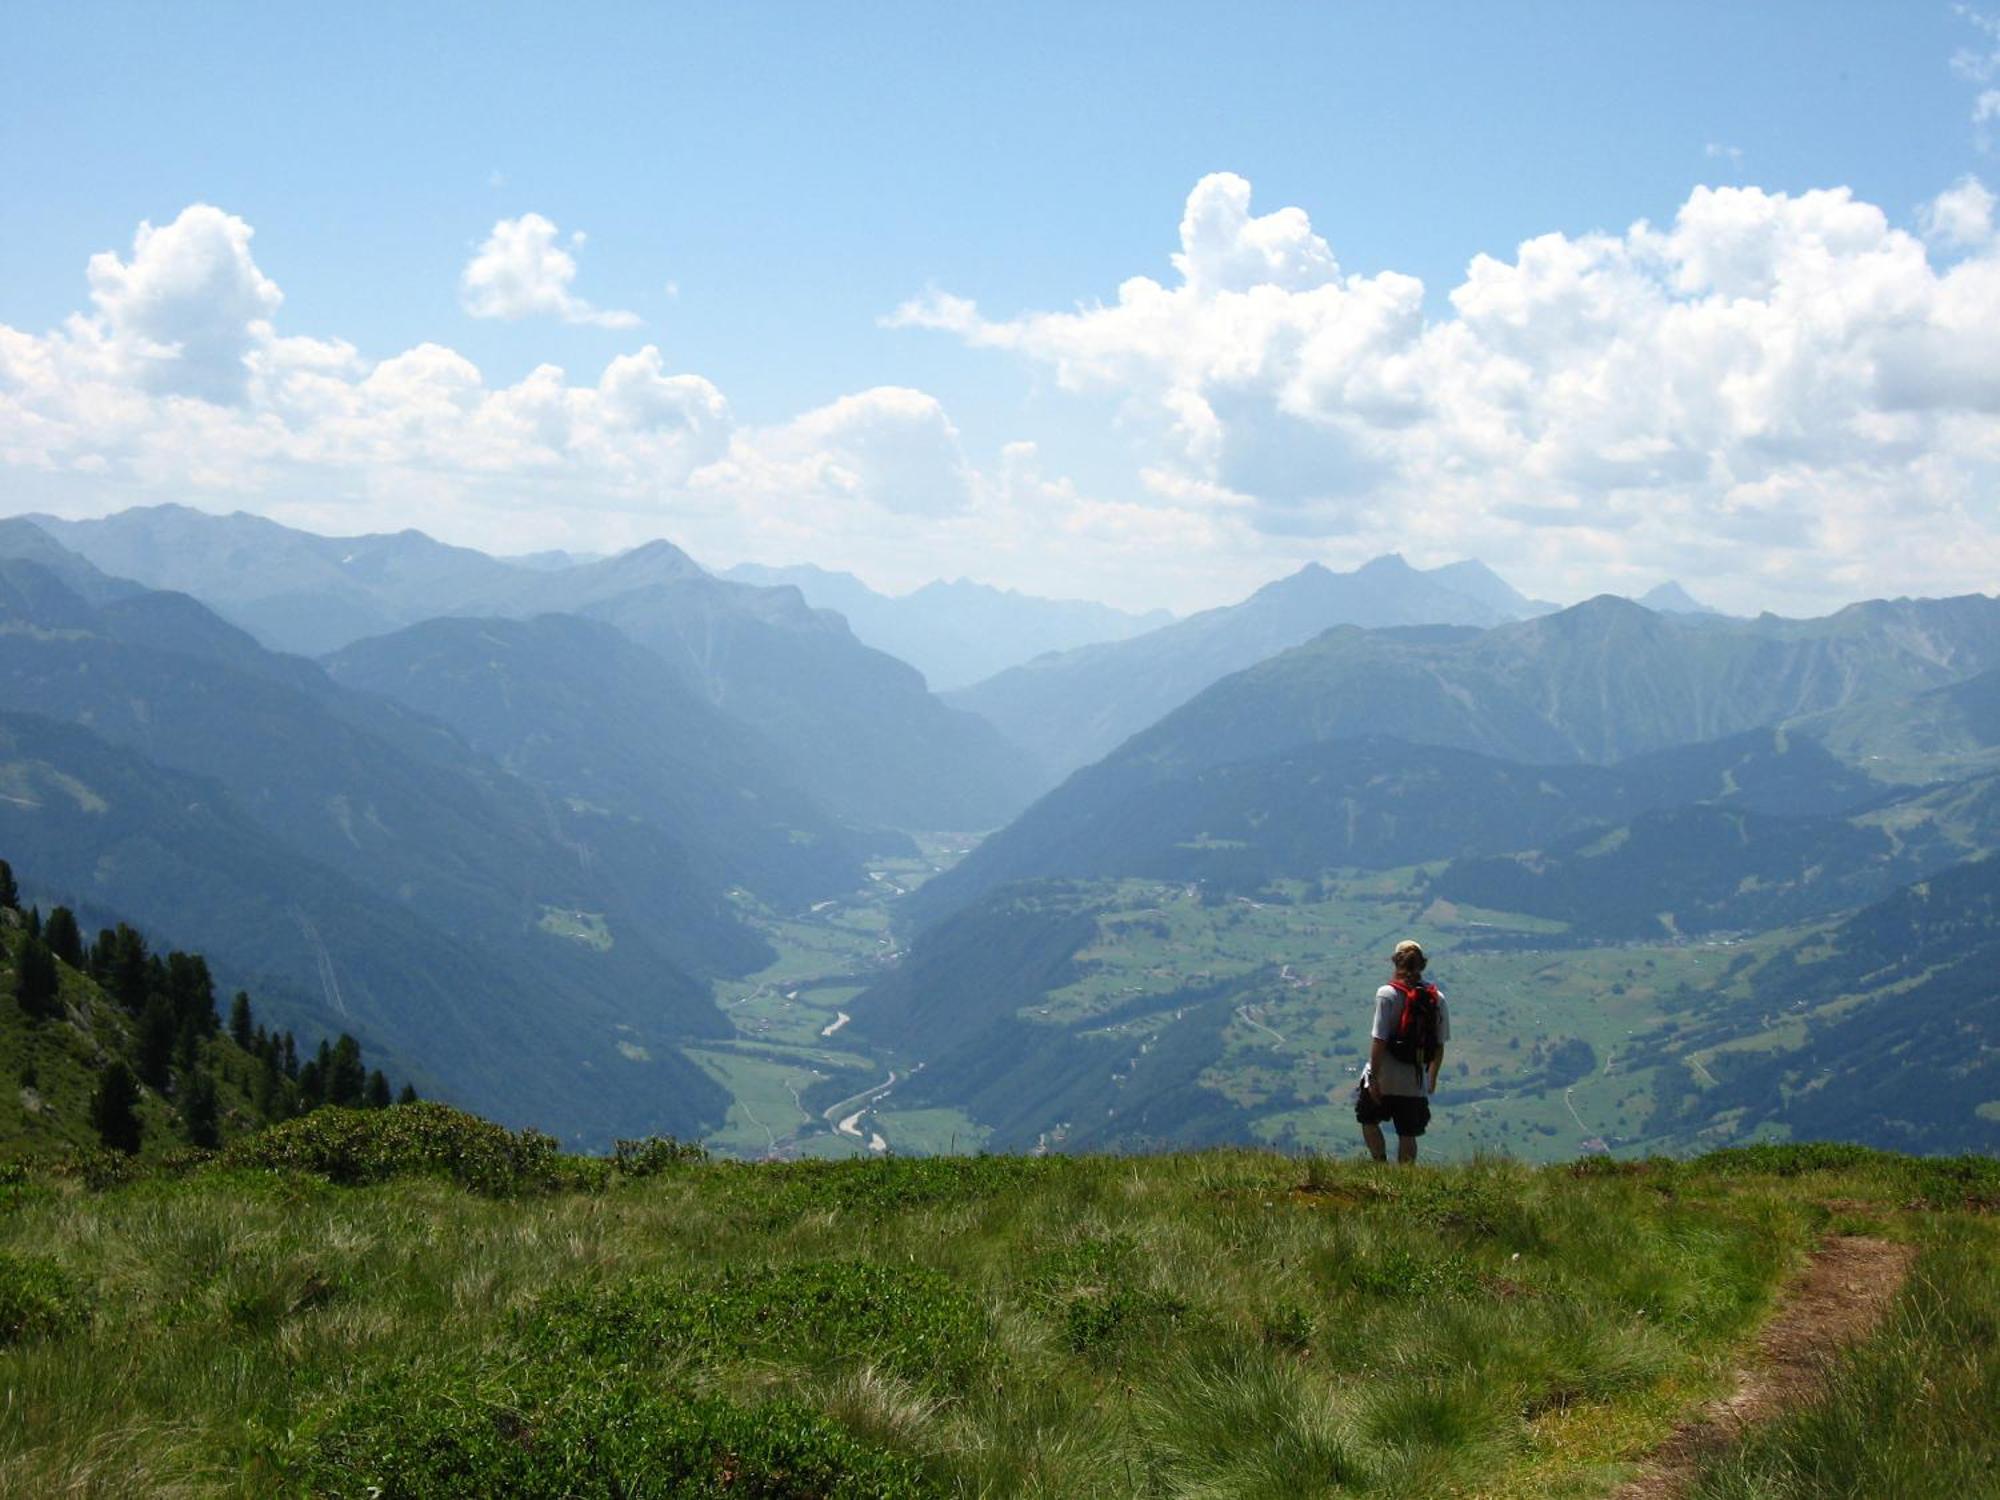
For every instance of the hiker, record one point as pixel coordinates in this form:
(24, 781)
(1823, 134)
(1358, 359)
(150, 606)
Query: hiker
(1407, 1049)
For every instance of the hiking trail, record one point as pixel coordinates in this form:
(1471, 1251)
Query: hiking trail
(1843, 1293)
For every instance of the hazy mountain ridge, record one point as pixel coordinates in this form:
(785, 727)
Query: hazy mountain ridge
(354, 787)
(1075, 707)
(571, 704)
(958, 632)
(852, 726)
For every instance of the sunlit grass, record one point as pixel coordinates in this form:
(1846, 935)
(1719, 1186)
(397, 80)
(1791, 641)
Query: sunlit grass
(1222, 1324)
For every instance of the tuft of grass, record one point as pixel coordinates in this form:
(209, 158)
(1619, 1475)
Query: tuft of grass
(38, 1299)
(526, 1430)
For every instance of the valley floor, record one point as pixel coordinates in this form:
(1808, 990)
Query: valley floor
(1558, 1048)
(1217, 1324)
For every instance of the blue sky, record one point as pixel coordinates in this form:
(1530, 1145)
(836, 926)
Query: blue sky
(762, 186)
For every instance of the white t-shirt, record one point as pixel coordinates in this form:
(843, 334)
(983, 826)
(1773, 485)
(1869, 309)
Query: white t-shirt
(1406, 1079)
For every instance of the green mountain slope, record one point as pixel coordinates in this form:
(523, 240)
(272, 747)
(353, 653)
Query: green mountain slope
(535, 1038)
(1381, 803)
(587, 922)
(1072, 708)
(1893, 1042)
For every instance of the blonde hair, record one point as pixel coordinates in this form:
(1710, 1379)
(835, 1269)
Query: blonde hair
(1409, 957)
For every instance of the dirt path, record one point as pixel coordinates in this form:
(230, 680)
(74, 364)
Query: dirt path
(1846, 1289)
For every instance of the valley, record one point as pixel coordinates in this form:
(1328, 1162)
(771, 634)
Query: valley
(1558, 1050)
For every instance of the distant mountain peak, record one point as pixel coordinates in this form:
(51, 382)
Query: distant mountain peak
(1670, 598)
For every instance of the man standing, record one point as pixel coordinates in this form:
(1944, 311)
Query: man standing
(1405, 1052)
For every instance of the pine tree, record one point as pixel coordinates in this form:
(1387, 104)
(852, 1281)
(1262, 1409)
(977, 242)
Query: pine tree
(157, 1034)
(63, 938)
(291, 1057)
(37, 985)
(409, 1094)
(191, 990)
(130, 969)
(311, 1086)
(346, 1080)
(377, 1096)
(199, 1112)
(114, 1109)
(239, 1021)
(10, 893)
(34, 921)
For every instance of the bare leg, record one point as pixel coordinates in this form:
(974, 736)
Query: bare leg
(1406, 1149)
(1377, 1147)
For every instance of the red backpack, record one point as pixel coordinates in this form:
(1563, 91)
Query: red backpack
(1416, 1040)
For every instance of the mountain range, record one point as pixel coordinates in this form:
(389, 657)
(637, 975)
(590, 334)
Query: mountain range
(1073, 707)
(851, 725)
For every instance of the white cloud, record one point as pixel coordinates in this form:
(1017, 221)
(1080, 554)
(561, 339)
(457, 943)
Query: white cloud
(1961, 215)
(1773, 392)
(522, 271)
(181, 316)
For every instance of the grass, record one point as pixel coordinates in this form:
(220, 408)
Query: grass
(1230, 1323)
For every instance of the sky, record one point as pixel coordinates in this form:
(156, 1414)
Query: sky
(1148, 304)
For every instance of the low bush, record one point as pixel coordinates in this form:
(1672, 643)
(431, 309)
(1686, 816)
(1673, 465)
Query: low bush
(655, 1154)
(352, 1146)
(430, 1435)
(38, 1300)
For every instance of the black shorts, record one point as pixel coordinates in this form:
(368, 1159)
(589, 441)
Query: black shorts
(1411, 1112)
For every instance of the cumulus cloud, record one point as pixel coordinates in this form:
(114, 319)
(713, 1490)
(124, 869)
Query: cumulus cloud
(176, 384)
(181, 316)
(522, 271)
(1780, 391)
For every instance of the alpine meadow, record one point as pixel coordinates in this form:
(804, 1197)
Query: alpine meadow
(753, 751)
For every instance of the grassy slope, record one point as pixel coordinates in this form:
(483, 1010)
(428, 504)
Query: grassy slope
(64, 1056)
(1229, 1323)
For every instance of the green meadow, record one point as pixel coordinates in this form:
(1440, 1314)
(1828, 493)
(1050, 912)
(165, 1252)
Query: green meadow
(409, 1302)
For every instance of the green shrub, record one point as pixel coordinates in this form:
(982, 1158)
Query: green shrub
(523, 1430)
(95, 1167)
(655, 1154)
(37, 1300)
(352, 1146)
(909, 1319)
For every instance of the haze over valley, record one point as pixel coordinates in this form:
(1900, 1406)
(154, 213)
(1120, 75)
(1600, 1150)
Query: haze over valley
(618, 845)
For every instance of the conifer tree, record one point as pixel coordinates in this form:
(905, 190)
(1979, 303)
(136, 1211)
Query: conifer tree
(63, 938)
(312, 1091)
(409, 1094)
(199, 1112)
(10, 893)
(346, 1079)
(114, 1110)
(378, 1090)
(239, 1021)
(36, 985)
(291, 1057)
(34, 921)
(130, 968)
(157, 1035)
